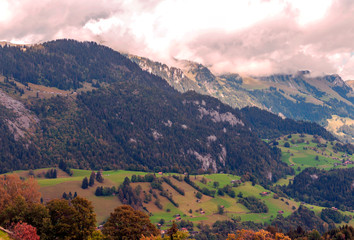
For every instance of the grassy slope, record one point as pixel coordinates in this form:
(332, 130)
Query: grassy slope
(302, 158)
(54, 188)
(4, 236)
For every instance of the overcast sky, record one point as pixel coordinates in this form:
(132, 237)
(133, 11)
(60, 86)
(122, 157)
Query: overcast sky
(254, 37)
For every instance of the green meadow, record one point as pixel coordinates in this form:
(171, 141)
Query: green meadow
(304, 152)
(299, 155)
(4, 236)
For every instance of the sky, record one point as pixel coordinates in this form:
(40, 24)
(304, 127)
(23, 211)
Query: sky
(256, 37)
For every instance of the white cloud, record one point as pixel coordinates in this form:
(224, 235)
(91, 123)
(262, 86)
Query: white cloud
(256, 37)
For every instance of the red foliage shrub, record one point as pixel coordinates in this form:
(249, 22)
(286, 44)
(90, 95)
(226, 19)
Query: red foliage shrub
(24, 231)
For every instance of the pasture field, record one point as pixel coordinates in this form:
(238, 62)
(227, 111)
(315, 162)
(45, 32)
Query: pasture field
(300, 155)
(190, 208)
(304, 152)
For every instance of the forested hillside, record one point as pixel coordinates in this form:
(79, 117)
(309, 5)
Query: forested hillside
(128, 119)
(332, 188)
(269, 125)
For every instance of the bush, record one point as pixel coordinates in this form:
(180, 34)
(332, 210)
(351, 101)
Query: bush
(199, 195)
(24, 231)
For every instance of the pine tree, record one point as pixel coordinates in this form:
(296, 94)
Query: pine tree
(84, 183)
(65, 196)
(99, 177)
(99, 191)
(92, 179)
(62, 165)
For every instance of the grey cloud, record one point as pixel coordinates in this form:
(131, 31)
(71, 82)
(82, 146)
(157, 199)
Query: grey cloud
(46, 18)
(282, 42)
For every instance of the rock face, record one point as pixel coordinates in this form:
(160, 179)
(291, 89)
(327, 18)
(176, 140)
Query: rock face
(22, 122)
(174, 76)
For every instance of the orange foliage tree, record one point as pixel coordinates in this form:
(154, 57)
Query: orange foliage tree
(260, 235)
(11, 186)
(128, 223)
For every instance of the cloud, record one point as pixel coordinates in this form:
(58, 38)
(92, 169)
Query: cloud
(255, 37)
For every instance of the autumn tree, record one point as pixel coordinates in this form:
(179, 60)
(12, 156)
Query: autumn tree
(11, 186)
(84, 216)
(24, 231)
(127, 223)
(19, 210)
(179, 235)
(71, 221)
(97, 235)
(260, 235)
(172, 231)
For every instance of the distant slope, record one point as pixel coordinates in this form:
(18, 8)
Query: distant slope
(332, 188)
(189, 76)
(298, 96)
(268, 125)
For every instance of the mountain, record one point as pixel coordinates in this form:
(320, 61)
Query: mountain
(196, 77)
(327, 100)
(93, 108)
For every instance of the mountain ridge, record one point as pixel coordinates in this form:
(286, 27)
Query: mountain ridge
(127, 118)
(299, 96)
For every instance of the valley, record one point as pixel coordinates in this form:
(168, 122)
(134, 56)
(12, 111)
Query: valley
(185, 149)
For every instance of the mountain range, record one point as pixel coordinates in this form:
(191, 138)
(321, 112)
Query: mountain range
(327, 99)
(93, 108)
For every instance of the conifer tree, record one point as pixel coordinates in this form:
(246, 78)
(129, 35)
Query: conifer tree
(99, 177)
(84, 183)
(92, 179)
